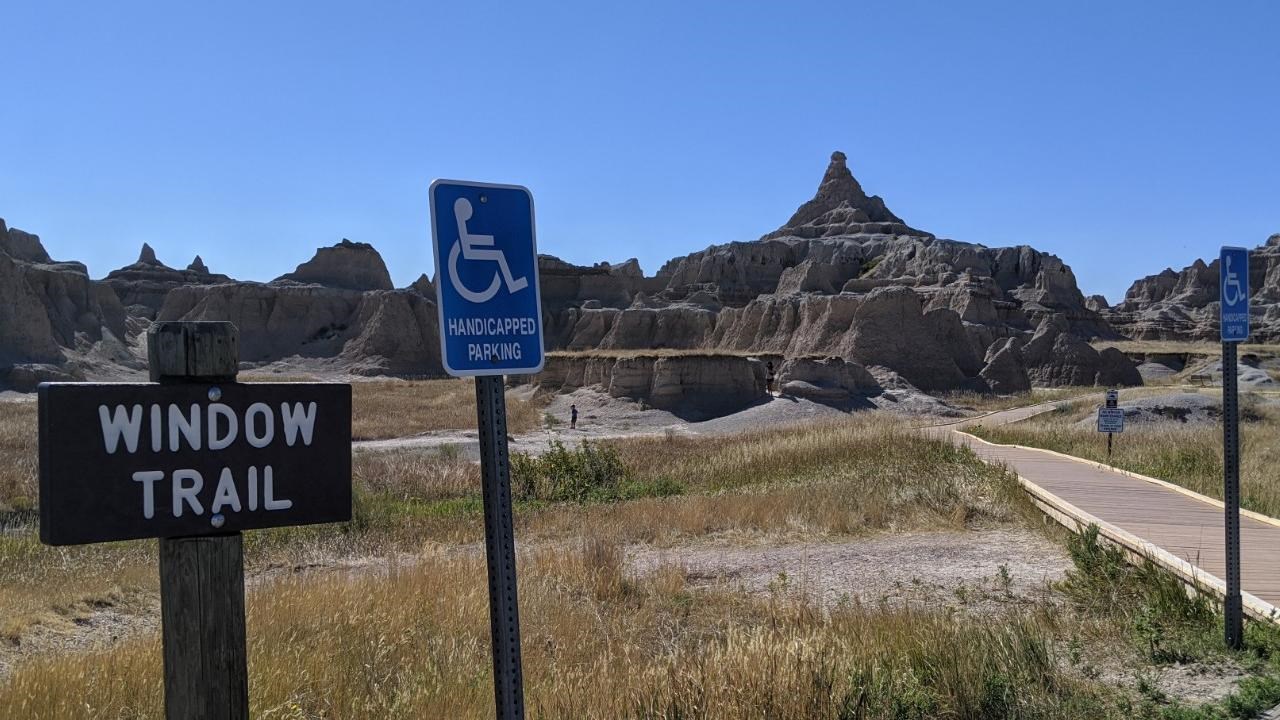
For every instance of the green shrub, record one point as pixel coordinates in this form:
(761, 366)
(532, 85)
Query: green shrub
(1170, 624)
(593, 472)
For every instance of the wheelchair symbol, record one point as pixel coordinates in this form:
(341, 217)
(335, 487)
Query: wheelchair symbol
(472, 247)
(1232, 292)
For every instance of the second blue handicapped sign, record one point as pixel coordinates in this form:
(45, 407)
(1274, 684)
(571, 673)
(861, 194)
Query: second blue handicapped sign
(486, 259)
(1233, 284)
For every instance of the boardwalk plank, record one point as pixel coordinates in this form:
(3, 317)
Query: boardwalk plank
(1187, 527)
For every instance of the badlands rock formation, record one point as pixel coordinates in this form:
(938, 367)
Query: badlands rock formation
(829, 380)
(55, 322)
(844, 277)
(142, 286)
(347, 265)
(1053, 356)
(1184, 305)
(338, 309)
(692, 386)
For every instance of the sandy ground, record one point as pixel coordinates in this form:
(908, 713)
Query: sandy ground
(981, 570)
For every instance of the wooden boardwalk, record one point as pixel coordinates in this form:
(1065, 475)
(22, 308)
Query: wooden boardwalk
(1178, 528)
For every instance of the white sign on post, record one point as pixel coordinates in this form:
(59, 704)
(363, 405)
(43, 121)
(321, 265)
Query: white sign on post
(1110, 420)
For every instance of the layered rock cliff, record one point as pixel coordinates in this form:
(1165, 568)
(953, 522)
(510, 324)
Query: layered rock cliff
(1184, 305)
(54, 321)
(339, 307)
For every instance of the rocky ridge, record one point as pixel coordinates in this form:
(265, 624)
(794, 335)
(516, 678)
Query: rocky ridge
(143, 286)
(1184, 305)
(844, 277)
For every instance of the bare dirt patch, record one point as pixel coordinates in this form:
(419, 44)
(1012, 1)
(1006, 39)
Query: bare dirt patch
(102, 627)
(972, 570)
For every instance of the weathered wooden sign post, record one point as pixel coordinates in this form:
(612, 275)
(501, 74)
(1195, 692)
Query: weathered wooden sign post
(193, 458)
(490, 325)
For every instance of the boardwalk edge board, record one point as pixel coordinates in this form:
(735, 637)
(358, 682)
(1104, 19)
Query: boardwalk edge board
(1075, 519)
(1251, 514)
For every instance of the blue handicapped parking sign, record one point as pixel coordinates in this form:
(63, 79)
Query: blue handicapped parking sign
(486, 256)
(1233, 285)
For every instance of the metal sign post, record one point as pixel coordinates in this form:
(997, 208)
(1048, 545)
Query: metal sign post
(500, 547)
(1233, 285)
(193, 458)
(1113, 401)
(490, 325)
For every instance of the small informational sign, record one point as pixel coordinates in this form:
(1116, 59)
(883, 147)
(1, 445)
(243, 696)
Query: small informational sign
(121, 461)
(487, 278)
(1233, 285)
(1113, 398)
(1110, 420)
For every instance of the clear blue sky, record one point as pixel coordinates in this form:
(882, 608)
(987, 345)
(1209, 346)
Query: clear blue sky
(1122, 136)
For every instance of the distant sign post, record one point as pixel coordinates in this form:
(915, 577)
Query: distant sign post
(490, 308)
(1233, 287)
(193, 458)
(1110, 419)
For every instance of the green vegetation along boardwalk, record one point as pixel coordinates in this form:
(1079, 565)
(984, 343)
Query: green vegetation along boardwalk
(1180, 529)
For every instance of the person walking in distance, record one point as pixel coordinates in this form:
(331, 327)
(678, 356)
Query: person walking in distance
(573, 417)
(768, 376)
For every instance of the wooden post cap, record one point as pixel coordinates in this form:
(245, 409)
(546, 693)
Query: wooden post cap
(193, 351)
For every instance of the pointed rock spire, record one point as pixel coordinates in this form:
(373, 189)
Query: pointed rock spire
(147, 256)
(423, 286)
(840, 203)
(838, 187)
(198, 266)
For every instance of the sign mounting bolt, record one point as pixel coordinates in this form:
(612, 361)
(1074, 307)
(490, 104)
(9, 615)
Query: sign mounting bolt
(217, 520)
(215, 394)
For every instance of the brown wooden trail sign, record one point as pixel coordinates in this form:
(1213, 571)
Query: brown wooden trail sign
(192, 458)
(126, 461)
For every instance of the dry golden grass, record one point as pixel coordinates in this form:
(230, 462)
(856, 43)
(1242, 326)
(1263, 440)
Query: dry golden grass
(52, 586)
(1186, 455)
(853, 475)
(409, 637)
(397, 408)
(987, 402)
(41, 585)
(413, 642)
(416, 475)
(18, 460)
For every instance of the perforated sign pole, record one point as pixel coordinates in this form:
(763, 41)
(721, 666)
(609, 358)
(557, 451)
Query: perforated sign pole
(1232, 607)
(500, 551)
(1233, 266)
